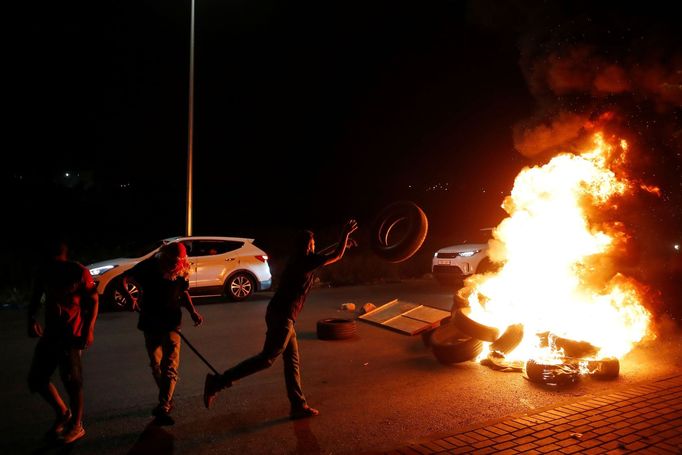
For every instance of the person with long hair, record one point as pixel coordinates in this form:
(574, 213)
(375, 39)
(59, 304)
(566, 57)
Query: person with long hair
(164, 287)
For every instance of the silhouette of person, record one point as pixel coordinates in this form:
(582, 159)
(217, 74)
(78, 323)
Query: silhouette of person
(71, 306)
(280, 318)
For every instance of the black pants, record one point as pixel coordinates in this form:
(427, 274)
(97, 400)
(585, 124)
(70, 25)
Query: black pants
(52, 353)
(279, 339)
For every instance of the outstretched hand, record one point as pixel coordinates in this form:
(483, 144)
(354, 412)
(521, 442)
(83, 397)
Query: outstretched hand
(350, 227)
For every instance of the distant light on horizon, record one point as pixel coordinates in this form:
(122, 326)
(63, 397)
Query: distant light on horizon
(66, 174)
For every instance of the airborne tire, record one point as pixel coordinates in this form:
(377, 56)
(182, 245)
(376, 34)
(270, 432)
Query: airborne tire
(409, 221)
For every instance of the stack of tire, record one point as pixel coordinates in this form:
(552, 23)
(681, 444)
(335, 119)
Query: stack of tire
(461, 338)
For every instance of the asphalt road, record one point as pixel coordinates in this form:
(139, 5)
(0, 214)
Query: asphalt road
(379, 391)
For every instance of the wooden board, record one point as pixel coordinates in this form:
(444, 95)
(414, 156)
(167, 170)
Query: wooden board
(407, 318)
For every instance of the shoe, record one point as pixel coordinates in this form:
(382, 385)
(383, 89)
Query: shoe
(164, 419)
(303, 412)
(212, 386)
(59, 425)
(73, 434)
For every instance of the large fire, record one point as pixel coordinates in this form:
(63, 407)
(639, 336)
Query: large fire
(553, 249)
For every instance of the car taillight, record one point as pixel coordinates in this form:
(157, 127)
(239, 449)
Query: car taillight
(262, 258)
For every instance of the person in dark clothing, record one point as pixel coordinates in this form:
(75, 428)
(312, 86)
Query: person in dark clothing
(280, 318)
(71, 306)
(163, 282)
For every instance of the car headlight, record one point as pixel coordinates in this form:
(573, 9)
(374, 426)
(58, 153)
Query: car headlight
(468, 254)
(100, 270)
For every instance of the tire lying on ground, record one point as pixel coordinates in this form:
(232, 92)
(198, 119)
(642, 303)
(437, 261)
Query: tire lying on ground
(440, 330)
(556, 375)
(472, 328)
(509, 340)
(449, 345)
(336, 329)
(398, 231)
(608, 368)
(456, 349)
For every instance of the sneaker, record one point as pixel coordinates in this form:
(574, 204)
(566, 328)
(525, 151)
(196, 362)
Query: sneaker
(212, 386)
(303, 412)
(164, 419)
(73, 434)
(59, 425)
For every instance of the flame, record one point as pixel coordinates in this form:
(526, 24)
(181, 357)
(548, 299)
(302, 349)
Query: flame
(552, 253)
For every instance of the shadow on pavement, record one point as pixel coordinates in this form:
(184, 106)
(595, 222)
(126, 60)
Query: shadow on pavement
(306, 442)
(153, 440)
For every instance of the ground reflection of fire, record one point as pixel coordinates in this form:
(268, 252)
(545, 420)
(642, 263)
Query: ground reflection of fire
(552, 253)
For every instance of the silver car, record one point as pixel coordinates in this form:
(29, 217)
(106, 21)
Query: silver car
(453, 263)
(230, 266)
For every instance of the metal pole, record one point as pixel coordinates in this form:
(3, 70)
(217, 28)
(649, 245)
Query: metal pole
(190, 129)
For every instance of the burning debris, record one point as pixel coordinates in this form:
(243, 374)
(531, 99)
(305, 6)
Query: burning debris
(554, 306)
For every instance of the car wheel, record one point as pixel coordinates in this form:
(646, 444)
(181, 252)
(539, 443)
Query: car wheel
(114, 298)
(336, 329)
(398, 231)
(239, 287)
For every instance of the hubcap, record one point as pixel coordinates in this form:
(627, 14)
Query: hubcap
(120, 301)
(240, 287)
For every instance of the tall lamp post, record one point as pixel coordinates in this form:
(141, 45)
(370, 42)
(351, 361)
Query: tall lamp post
(190, 129)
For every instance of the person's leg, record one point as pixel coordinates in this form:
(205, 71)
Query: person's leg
(170, 363)
(276, 340)
(152, 343)
(45, 361)
(71, 373)
(292, 372)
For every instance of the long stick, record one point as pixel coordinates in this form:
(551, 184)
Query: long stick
(196, 352)
(208, 364)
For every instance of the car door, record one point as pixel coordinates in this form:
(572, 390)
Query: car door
(191, 255)
(215, 261)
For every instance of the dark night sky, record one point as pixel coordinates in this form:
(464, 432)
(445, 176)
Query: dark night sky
(306, 113)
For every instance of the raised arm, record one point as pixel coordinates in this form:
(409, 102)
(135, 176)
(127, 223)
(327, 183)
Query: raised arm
(348, 228)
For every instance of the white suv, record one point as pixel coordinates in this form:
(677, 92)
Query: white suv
(230, 266)
(454, 263)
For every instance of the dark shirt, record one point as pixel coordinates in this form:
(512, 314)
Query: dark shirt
(296, 281)
(65, 285)
(160, 299)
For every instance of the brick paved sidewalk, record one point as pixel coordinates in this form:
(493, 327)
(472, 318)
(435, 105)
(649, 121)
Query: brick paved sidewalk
(643, 419)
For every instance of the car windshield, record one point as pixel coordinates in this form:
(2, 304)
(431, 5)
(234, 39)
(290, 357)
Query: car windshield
(479, 236)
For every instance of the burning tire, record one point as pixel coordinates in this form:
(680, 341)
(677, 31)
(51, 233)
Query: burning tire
(472, 328)
(336, 329)
(509, 340)
(555, 375)
(442, 332)
(398, 231)
(608, 368)
(456, 349)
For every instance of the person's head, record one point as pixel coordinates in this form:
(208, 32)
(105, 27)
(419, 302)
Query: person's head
(57, 249)
(173, 260)
(305, 243)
